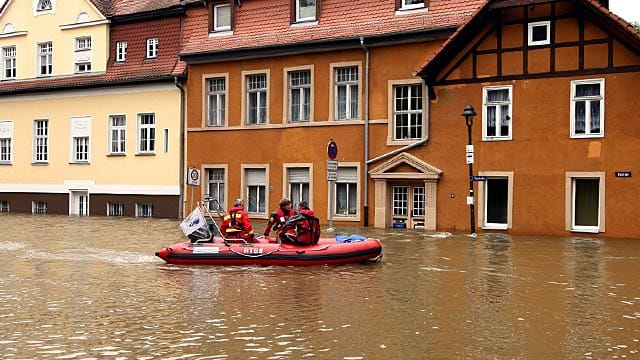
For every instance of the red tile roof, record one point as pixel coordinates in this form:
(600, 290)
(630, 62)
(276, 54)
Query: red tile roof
(262, 23)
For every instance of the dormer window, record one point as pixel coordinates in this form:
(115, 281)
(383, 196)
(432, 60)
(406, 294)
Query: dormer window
(410, 4)
(44, 5)
(152, 48)
(539, 33)
(221, 15)
(304, 10)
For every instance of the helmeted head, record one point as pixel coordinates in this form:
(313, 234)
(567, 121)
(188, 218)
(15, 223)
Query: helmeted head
(238, 203)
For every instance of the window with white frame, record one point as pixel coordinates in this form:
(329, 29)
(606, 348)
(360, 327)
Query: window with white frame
(216, 188)
(9, 62)
(400, 200)
(44, 5)
(45, 58)
(256, 99)
(496, 112)
(152, 48)
(419, 201)
(80, 139)
(82, 56)
(346, 191)
(305, 10)
(146, 133)
(117, 134)
(298, 179)
(585, 201)
(144, 210)
(6, 139)
(299, 95)
(408, 103)
(539, 33)
(216, 101)
(222, 17)
(115, 209)
(41, 141)
(121, 51)
(587, 108)
(256, 190)
(346, 92)
(5, 206)
(410, 4)
(166, 141)
(39, 207)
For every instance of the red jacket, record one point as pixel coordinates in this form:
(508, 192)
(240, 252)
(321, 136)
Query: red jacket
(236, 224)
(278, 219)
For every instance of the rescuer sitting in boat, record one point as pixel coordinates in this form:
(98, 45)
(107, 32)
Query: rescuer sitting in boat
(236, 224)
(302, 228)
(279, 217)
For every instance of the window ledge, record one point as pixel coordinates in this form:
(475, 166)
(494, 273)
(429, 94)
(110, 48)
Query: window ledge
(41, 163)
(495, 227)
(490, 139)
(5, 163)
(219, 33)
(79, 163)
(304, 23)
(593, 136)
(117, 155)
(588, 231)
(145, 154)
(410, 11)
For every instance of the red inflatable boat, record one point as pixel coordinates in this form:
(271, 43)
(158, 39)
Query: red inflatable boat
(266, 251)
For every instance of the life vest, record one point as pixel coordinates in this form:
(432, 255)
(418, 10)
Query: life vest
(234, 227)
(301, 229)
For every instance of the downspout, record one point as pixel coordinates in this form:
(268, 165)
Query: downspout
(182, 150)
(366, 132)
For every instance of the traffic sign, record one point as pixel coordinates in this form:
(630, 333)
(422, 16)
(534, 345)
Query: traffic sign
(193, 176)
(332, 149)
(332, 170)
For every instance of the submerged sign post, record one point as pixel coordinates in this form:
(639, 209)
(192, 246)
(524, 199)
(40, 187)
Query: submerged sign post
(332, 176)
(193, 179)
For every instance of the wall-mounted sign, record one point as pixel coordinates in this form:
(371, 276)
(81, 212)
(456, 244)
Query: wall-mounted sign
(623, 173)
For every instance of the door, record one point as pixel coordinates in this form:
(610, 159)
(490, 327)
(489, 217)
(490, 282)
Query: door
(496, 203)
(79, 203)
(408, 207)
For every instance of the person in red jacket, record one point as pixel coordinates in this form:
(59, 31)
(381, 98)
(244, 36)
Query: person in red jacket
(303, 208)
(236, 224)
(278, 218)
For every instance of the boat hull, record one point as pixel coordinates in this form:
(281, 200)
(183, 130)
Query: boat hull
(267, 252)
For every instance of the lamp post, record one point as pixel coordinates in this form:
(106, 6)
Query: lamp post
(468, 114)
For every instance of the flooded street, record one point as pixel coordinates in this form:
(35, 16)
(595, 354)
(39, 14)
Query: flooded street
(91, 288)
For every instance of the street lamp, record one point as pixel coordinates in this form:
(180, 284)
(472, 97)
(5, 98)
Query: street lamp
(468, 114)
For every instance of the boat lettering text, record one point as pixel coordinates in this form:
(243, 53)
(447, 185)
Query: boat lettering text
(252, 250)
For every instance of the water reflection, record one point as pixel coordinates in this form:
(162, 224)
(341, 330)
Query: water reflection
(90, 288)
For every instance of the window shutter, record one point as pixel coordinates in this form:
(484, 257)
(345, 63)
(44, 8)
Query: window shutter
(347, 175)
(256, 177)
(298, 175)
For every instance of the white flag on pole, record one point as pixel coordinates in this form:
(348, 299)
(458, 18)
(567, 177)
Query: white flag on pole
(195, 226)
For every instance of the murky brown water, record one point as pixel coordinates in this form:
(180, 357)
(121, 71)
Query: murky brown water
(91, 288)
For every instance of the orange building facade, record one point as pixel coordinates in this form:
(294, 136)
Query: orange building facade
(264, 101)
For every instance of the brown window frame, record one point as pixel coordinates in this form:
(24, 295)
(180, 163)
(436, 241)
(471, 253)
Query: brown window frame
(232, 10)
(292, 12)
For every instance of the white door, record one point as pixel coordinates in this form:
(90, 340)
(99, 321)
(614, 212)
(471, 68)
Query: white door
(79, 203)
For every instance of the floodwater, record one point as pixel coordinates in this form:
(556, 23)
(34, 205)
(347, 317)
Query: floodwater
(91, 288)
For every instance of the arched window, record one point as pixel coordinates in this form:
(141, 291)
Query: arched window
(8, 28)
(83, 17)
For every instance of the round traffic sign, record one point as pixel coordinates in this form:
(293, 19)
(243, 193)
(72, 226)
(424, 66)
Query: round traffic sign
(332, 149)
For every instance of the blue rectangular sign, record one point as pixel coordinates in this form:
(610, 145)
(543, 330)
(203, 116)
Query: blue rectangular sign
(479, 178)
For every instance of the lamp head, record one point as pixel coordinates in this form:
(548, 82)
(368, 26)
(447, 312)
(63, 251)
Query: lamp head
(468, 114)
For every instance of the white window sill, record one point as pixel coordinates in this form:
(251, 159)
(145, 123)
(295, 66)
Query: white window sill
(301, 23)
(410, 11)
(495, 227)
(220, 33)
(506, 138)
(590, 136)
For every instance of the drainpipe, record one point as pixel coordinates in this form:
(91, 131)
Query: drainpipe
(366, 132)
(182, 150)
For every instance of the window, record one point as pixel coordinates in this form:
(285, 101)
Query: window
(80, 138)
(256, 190)
(346, 192)
(410, 4)
(144, 210)
(9, 62)
(407, 112)
(45, 58)
(215, 188)
(346, 92)
(495, 200)
(216, 100)
(305, 10)
(256, 99)
(222, 17)
(146, 133)
(585, 198)
(39, 207)
(298, 179)
(496, 113)
(117, 134)
(44, 5)
(539, 33)
(41, 141)
(82, 56)
(4, 206)
(6, 136)
(166, 141)
(299, 96)
(400, 196)
(587, 108)
(115, 209)
(419, 199)
(152, 48)
(121, 51)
